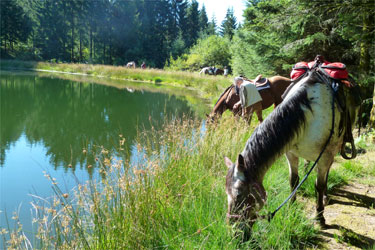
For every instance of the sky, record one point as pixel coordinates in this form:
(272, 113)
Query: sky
(220, 7)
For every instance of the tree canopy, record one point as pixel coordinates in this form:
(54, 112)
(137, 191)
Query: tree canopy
(100, 31)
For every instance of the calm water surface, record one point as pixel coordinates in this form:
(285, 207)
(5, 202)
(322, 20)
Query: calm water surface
(60, 126)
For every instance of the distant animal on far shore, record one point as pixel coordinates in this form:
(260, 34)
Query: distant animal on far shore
(131, 65)
(211, 71)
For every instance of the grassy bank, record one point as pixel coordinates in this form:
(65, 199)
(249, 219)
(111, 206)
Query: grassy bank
(174, 198)
(205, 86)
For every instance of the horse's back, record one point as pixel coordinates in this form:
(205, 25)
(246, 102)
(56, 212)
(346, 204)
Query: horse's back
(318, 123)
(278, 86)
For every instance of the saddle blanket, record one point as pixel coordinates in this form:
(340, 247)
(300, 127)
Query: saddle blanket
(249, 94)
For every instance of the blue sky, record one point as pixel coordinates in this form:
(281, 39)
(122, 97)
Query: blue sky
(219, 8)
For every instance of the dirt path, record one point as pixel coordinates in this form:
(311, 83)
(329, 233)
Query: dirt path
(350, 214)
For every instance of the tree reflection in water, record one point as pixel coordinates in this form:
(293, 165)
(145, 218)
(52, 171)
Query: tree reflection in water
(74, 120)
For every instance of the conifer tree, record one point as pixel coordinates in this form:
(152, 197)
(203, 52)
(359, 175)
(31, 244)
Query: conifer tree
(229, 24)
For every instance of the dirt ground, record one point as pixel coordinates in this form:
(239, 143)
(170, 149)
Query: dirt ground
(350, 213)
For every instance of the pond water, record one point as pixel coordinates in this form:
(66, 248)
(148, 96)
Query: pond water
(56, 126)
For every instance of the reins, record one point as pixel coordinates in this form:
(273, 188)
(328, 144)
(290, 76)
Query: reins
(271, 215)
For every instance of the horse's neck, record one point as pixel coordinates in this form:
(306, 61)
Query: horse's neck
(279, 132)
(220, 105)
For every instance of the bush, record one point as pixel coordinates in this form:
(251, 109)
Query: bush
(210, 51)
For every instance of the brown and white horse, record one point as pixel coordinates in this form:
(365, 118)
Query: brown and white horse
(272, 95)
(131, 64)
(299, 127)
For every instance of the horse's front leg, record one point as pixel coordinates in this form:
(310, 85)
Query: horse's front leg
(293, 171)
(321, 187)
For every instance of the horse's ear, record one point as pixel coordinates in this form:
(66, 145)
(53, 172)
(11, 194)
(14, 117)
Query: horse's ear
(240, 163)
(228, 162)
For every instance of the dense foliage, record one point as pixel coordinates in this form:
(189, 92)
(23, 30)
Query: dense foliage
(210, 51)
(101, 31)
(277, 34)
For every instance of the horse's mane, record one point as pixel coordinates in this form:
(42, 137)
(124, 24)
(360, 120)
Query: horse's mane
(225, 91)
(277, 130)
(221, 99)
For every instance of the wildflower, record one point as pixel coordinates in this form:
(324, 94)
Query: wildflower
(65, 195)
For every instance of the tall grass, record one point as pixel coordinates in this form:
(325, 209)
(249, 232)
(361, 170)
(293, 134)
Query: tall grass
(172, 198)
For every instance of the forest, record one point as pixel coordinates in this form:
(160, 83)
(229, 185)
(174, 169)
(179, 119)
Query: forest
(177, 35)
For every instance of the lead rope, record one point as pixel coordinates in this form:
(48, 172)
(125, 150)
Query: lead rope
(271, 215)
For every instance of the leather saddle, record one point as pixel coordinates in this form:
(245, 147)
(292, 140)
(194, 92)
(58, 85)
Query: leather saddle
(260, 82)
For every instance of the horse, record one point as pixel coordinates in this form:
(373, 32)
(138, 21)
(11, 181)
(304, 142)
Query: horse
(299, 127)
(211, 71)
(272, 95)
(131, 65)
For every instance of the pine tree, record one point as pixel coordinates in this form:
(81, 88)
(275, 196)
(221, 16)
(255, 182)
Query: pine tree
(211, 27)
(203, 20)
(192, 15)
(229, 24)
(14, 24)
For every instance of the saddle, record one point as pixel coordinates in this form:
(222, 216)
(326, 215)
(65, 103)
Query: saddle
(260, 82)
(347, 94)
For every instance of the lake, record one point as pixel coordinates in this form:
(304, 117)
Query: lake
(60, 127)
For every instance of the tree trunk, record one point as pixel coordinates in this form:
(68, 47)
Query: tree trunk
(80, 46)
(90, 45)
(72, 38)
(364, 62)
(372, 113)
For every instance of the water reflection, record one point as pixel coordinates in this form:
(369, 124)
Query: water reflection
(69, 118)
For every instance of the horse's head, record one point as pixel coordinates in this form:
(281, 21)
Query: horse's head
(246, 195)
(226, 101)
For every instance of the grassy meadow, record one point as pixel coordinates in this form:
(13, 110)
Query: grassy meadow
(173, 198)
